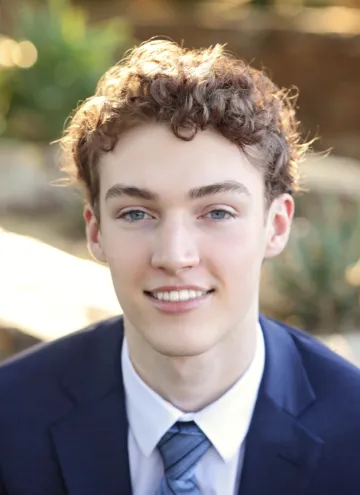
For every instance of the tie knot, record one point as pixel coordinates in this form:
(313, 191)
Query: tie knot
(181, 448)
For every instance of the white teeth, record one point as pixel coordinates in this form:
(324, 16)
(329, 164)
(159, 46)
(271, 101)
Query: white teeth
(175, 296)
(183, 295)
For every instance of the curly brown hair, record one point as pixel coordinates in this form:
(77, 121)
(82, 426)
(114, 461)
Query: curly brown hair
(189, 90)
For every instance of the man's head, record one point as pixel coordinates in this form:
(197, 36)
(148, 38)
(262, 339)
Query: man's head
(188, 160)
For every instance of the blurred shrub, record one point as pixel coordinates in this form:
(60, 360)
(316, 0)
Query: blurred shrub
(71, 56)
(317, 278)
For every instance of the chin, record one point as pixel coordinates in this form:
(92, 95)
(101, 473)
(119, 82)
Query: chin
(182, 347)
(180, 352)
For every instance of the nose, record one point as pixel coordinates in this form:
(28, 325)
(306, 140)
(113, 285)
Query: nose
(175, 247)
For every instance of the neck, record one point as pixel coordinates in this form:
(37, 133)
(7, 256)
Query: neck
(192, 383)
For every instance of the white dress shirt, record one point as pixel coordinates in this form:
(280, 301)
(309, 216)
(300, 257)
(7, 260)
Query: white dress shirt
(225, 422)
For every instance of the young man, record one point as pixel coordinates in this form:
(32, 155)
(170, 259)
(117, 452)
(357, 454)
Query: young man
(189, 164)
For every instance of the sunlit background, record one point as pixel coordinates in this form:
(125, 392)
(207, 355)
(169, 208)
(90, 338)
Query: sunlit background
(52, 52)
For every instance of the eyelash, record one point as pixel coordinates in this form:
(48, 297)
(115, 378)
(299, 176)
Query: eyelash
(126, 213)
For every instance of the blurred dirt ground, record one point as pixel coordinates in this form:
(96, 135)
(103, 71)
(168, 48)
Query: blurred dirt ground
(49, 285)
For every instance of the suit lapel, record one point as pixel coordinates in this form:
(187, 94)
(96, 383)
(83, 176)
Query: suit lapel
(280, 453)
(92, 448)
(91, 442)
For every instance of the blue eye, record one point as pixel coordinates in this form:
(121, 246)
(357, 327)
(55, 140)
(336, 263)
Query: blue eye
(220, 214)
(133, 216)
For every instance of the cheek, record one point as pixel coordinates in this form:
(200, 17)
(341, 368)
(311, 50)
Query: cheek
(125, 259)
(247, 241)
(238, 255)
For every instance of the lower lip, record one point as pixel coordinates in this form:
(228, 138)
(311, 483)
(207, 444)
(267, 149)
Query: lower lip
(175, 307)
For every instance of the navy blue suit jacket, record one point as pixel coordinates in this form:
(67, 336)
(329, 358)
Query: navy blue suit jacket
(63, 426)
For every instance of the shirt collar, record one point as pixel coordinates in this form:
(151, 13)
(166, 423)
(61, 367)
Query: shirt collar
(225, 422)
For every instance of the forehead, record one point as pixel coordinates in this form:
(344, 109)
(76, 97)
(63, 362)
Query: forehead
(152, 157)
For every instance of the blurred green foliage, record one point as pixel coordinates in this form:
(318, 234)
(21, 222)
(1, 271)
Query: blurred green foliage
(318, 275)
(72, 55)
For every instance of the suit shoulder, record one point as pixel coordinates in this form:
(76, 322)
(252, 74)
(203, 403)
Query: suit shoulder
(333, 413)
(51, 359)
(327, 369)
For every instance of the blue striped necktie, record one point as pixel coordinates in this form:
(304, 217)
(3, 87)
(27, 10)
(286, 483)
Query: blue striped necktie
(181, 448)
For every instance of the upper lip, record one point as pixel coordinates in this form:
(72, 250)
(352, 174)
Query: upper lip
(169, 288)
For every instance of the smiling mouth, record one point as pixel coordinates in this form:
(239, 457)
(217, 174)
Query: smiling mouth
(177, 296)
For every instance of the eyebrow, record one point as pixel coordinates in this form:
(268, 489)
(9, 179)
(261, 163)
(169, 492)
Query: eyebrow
(122, 190)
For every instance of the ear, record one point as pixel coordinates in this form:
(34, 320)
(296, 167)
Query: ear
(93, 235)
(279, 222)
